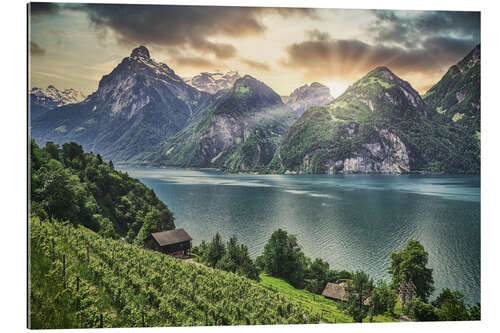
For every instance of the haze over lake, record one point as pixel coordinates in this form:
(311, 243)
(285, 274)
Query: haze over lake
(351, 221)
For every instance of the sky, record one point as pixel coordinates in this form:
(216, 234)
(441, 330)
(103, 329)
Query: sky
(74, 45)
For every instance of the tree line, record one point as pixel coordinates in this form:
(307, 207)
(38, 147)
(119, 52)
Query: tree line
(411, 282)
(68, 184)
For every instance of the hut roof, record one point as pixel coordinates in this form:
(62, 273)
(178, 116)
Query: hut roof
(335, 291)
(170, 237)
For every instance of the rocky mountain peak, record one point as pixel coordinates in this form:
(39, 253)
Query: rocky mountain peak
(382, 85)
(306, 96)
(140, 51)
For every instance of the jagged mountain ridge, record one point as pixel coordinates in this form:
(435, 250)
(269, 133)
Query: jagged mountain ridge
(139, 104)
(240, 131)
(306, 96)
(44, 99)
(213, 82)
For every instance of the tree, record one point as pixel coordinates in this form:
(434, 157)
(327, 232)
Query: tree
(474, 311)
(358, 291)
(417, 309)
(410, 265)
(383, 299)
(450, 306)
(283, 258)
(318, 275)
(216, 250)
(153, 222)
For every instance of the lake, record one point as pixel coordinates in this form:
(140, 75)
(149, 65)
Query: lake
(351, 221)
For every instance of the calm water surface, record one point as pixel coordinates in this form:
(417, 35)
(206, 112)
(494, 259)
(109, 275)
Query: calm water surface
(351, 221)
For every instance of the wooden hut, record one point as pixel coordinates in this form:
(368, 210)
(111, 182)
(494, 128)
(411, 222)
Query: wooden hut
(336, 291)
(172, 242)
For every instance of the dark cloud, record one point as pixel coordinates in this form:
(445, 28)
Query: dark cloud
(324, 57)
(193, 27)
(36, 50)
(43, 8)
(412, 29)
(256, 64)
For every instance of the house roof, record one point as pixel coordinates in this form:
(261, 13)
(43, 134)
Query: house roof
(335, 291)
(170, 237)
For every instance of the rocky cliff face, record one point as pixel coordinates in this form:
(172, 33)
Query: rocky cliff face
(240, 131)
(306, 96)
(365, 130)
(213, 82)
(139, 104)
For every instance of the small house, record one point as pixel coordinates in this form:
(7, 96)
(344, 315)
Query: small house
(172, 242)
(336, 291)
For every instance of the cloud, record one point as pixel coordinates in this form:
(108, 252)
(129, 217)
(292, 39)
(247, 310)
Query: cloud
(36, 50)
(255, 64)
(412, 29)
(189, 27)
(43, 8)
(320, 56)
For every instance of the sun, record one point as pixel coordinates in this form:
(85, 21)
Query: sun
(336, 87)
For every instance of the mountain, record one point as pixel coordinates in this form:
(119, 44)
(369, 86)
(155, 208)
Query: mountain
(370, 128)
(140, 103)
(380, 124)
(240, 131)
(306, 96)
(457, 97)
(44, 99)
(213, 82)
(457, 94)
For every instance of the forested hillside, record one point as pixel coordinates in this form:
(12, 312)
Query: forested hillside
(68, 184)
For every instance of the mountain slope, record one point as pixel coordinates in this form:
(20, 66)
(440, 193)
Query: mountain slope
(44, 99)
(140, 103)
(371, 128)
(240, 131)
(457, 94)
(213, 82)
(306, 96)
(457, 97)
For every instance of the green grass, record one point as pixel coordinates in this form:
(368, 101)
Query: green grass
(330, 310)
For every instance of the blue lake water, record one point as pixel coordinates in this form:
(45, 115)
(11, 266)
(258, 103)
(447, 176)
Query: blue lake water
(351, 221)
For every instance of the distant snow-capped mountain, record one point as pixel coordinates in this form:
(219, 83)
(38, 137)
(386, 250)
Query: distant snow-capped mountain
(44, 99)
(213, 82)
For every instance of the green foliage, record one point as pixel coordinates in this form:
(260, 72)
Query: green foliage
(216, 250)
(450, 306)
(410, 265)
(417, 309)
(358, 292)
(126, 283)
(383, 299)
(283, 258)
(68, 184)
(231, 258)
